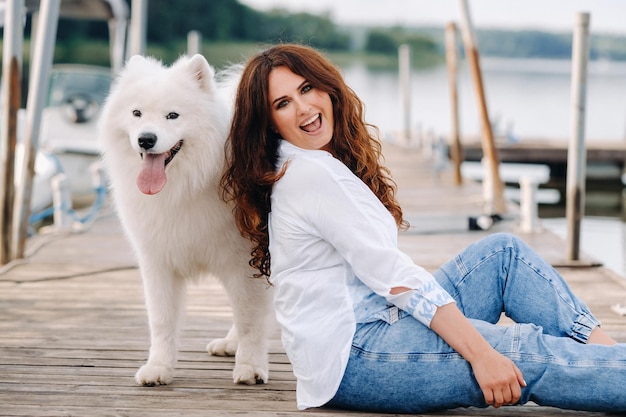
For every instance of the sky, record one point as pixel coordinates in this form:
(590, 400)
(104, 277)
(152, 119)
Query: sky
(607, 16)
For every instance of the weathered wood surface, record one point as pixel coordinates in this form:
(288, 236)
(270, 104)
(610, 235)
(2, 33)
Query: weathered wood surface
(73, 327)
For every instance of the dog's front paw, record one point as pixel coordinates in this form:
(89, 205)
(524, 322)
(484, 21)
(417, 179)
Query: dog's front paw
(250, 375)
(152, 375)
(222, 347)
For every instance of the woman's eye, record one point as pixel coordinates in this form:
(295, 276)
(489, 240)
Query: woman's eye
(307, 88)
(282, 104)
(137, 113)
(172, 116)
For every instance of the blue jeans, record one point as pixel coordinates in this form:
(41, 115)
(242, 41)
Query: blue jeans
(404, 367)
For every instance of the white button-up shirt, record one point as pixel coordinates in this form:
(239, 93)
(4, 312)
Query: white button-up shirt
(334, 259)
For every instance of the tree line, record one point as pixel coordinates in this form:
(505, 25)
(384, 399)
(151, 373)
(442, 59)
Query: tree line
(231, 21)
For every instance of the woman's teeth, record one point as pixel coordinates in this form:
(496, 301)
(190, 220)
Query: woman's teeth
(309, 124)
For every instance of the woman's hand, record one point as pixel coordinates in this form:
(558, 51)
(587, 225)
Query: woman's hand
(498, 377)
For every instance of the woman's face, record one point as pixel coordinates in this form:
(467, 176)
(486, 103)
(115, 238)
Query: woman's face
(302, 114)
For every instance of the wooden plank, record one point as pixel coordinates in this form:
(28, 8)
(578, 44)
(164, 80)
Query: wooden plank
(73, 326)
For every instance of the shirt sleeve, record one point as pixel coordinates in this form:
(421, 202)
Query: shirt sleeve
(345, 213)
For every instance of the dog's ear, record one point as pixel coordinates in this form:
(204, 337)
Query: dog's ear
(138, 64)
(202, 72)
(141, 63)
(136, 60)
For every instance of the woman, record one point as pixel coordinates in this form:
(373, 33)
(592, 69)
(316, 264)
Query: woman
(364, 327)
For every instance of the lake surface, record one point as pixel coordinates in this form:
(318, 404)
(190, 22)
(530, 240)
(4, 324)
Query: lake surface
(528, 98)
(601, 238)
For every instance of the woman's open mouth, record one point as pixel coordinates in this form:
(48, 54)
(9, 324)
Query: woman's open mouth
(312, 124)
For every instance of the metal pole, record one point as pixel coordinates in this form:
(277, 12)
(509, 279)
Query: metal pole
(576, 155)
(40, 74)
(138, 27)
(194, 42)
(497, 203)
(117, 33)
(10, 104)
(118, 27)
(528, 205)
(404, 63)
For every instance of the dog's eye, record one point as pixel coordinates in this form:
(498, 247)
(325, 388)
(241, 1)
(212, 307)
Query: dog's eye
(137, 113)
(172, 116)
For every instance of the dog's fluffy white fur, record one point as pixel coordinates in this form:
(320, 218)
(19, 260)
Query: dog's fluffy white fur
(174, 218)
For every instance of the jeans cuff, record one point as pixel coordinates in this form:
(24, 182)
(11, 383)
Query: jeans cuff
(583, 326)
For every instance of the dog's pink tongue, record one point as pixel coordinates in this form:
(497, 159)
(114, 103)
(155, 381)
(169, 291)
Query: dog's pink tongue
(152, 177)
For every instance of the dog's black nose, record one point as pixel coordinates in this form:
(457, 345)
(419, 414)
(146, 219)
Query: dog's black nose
(147, 140)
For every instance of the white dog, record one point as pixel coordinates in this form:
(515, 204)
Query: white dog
(163, 131)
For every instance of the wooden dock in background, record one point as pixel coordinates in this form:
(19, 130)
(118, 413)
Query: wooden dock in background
(73, 327)
(548, 151)
(605, 168)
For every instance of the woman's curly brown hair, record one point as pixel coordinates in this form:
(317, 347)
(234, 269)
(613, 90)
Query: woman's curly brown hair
(252, 145)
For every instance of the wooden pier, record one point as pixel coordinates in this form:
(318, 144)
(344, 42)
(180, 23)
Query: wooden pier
(548, 151)
(553, 153)
(73, 327)
(605, 169)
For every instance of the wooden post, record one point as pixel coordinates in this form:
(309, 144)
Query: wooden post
(11, 100)
(456, 151)
(498, 204)
(576, 153)
(39, 77)
(404, 65)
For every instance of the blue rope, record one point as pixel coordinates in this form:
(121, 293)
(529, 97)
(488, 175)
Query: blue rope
(101, 193)
(45, 213)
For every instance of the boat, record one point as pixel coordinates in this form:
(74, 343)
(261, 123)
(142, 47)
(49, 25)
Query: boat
(46, 167)
(68, 139)
(69, 124)
(67, 142)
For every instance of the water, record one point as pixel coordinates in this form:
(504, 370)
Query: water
(528, 98)
(601, 238)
